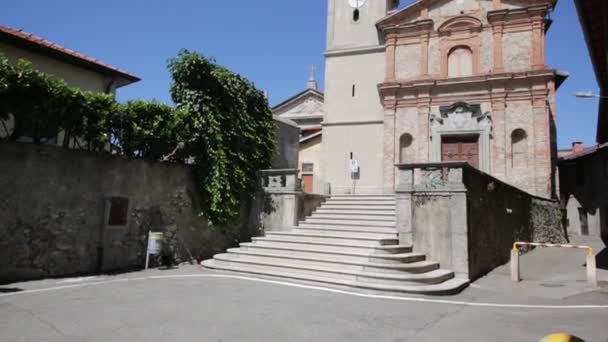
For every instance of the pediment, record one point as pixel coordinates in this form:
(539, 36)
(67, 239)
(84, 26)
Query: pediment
(309, 102)
(461, 23)
(412, 13)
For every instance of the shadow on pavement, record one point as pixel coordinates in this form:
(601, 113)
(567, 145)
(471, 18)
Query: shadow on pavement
(9, 289)
(602, 259)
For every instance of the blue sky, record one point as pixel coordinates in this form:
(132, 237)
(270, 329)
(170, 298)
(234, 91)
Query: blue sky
(272, 42)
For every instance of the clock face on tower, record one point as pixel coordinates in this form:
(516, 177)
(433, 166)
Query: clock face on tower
(356, 3)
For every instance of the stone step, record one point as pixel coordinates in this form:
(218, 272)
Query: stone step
(356, 207)
(376, 235)
(363, 203)
(363, 197)
(345, 222)
(415, 263)
(371, 230)
(361, 217)
(332, 252)
(342, 247)
(334, 271)
(355, 213)
(450, 287)
(330, 237)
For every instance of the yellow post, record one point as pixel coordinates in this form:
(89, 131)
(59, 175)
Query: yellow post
(515, 277)
(591, 270)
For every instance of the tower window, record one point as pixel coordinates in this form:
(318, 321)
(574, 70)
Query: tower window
(353, 90)
(356, 15)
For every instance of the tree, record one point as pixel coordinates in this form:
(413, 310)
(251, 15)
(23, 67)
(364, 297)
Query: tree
(231, 131)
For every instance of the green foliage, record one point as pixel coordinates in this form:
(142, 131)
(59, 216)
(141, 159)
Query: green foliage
(221, 121)
(42, 106)
(231, 131)
(150, 130)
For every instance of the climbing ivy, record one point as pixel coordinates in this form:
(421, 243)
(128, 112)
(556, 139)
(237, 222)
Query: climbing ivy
(221, 121)
(231, 131)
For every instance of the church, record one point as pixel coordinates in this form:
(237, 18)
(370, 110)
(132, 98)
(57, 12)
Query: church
(438, 80)
(408, 89)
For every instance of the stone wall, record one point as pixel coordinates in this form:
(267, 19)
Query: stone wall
(280, 204)
(468, 220)
(55, 212)
(500, 214)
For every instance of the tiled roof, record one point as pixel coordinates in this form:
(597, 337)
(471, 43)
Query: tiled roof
(62, 52)
(585, 152)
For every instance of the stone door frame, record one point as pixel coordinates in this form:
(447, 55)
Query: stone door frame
(470, 122)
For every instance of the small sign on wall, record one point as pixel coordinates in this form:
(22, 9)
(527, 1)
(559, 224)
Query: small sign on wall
(154, 245)
(354, 166)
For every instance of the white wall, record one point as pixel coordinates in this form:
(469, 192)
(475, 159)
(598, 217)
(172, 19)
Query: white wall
(366, 143)
(73, 75)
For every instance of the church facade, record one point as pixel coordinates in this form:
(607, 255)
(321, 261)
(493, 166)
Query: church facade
(439, 80)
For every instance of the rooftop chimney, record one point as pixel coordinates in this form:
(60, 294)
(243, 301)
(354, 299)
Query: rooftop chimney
(577, 147)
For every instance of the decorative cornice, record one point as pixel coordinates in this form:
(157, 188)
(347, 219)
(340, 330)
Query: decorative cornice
(352, 123)
(505, 16)
(418, 89)
(408, 29)
(355, 51)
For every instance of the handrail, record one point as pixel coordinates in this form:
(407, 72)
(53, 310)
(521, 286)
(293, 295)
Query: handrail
(591, 263)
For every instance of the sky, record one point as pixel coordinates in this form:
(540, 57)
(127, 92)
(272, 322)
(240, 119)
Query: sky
(271, 42)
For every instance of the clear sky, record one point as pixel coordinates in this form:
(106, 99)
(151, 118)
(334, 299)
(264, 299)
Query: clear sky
(271, 42)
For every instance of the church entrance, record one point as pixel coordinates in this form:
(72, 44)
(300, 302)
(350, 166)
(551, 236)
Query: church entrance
(460, 148)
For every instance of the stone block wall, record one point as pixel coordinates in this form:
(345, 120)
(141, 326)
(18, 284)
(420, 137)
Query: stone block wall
(500, 214)
(55, 213)
(468, 220)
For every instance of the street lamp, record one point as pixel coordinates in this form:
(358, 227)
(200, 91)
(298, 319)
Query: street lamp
(588, 94)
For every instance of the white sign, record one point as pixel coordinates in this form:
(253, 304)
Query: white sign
(154, 242)
(354, 166)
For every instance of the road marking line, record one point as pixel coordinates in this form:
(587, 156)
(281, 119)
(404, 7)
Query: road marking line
(317, 288)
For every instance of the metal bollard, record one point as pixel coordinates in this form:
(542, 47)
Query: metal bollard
(515, 277)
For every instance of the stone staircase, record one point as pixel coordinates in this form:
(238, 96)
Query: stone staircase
(350, 241)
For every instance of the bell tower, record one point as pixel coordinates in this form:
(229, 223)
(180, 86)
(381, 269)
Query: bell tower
(353, 124)
(351, 23)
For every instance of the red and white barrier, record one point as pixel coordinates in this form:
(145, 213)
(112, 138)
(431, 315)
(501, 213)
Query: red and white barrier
(591, 265)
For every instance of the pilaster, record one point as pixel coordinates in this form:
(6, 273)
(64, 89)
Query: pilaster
(423, 138)
(391, 46)
(542, 146)
(498, 44)
(500, 160)
(537, 43)
(424, 55)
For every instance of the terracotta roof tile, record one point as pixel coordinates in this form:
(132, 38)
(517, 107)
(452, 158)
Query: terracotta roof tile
(29, 37)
